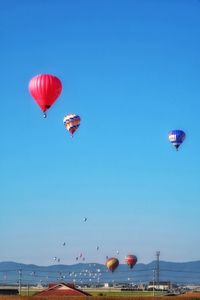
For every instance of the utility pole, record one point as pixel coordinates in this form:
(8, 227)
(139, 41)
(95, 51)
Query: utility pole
(157, 269)
(20, 280)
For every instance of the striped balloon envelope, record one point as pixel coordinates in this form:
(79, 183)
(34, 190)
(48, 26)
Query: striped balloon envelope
(71, 122)
(176, 137)
(112, 263)
(131, 260)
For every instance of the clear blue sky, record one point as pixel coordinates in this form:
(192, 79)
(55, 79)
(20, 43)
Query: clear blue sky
(131, 70)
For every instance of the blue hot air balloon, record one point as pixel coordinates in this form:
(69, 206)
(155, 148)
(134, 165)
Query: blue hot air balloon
(176, 137)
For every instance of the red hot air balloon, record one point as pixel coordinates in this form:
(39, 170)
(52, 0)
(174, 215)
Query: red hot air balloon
(131, 260)
(112, 263)
(45, 89)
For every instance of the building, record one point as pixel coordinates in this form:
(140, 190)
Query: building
(161, 286)
(61, 289)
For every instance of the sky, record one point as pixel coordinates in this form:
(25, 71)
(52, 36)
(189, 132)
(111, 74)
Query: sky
(131, 70)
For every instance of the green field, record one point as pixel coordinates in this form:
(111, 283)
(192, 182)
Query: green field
(103, 294)
(119, 293)
(30, 291)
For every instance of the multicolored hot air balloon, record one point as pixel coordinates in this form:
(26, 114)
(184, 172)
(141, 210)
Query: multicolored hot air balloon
(71, 122)
(45, 89)
(112, 263)
(131, 260)
(176, 137)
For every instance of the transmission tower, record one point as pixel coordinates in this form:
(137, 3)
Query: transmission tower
(157, 268)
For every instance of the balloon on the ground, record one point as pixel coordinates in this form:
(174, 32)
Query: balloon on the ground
(45, 89)
(112, 263)
(131, 260)
(176, 137)
(72, 122)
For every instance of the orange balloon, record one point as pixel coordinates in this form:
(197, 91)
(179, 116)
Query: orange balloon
(112, 264)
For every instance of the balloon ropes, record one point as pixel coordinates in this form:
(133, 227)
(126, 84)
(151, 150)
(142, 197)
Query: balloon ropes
(131, 260)
(71, 123)
(176, 137)
(45, 89)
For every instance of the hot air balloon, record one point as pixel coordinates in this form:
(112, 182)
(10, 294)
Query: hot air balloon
(71, 122)
(131, 260)
(45, 89)
(112, 263)
(176, 137)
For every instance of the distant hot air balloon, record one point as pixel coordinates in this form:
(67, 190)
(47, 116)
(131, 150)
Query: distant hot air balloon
(112, 263)
(45, 89)
(71, 122)
(131, 260)
(33, 273)
(176, 137)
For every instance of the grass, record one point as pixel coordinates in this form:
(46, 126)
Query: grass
(104, 294)
(118, 293)
(108, 297)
